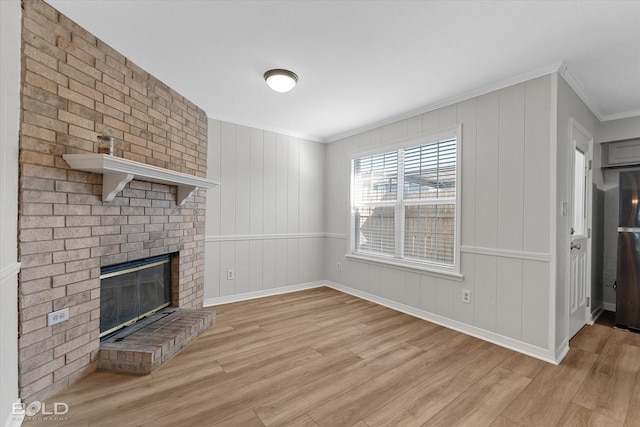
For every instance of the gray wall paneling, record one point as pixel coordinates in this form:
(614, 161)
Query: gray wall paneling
(505, 206)
(265, 220)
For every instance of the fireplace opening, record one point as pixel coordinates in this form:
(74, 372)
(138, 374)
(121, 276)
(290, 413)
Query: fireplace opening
(133, 290)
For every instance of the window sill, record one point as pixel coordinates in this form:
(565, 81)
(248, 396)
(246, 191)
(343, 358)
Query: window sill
(424, 269)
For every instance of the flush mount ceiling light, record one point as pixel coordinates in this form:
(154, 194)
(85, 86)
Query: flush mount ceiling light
(281, 80)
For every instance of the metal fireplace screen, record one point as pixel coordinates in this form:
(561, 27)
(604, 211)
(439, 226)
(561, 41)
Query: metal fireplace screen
(133, 290)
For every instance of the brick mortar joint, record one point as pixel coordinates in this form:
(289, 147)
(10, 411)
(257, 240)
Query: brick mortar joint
(50, 166)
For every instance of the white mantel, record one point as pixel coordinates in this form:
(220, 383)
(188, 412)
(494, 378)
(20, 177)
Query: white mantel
(117, 172)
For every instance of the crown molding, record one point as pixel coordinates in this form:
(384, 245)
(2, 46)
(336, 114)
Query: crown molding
(559, 67)
(453, 100)
(266, 128)
(618, 116)
(577, 88)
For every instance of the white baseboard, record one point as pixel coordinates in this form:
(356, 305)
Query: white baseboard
(209, 302)
(596, 312)
(609, 306)
(510, 343)
(14, 420)
(562, 351)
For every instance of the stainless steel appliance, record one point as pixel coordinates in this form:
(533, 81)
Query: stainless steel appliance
(628, 280)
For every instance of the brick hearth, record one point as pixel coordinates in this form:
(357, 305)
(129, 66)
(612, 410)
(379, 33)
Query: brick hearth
(142, 347)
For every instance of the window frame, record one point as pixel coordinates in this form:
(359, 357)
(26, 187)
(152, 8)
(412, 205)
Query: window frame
(395, 261)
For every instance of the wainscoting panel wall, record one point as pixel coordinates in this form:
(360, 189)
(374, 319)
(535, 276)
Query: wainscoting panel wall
(505, 216)
(265, 221)
(569, 107)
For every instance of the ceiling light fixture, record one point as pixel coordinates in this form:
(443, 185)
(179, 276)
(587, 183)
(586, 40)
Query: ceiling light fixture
(281, 80)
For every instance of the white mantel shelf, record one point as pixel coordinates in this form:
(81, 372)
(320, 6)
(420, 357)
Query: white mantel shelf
(117, 172)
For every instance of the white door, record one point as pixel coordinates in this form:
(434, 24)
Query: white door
(580, 220)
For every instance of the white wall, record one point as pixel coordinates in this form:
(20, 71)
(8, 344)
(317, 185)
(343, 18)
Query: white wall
(506, 202)
(266, 219)
(614, 130)
(281, 217)
(10, 15)
(569, 105)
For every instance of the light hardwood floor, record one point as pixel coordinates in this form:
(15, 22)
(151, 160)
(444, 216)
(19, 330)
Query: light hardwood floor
(324, 358)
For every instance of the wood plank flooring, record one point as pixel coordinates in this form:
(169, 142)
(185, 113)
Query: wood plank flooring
(324, 358)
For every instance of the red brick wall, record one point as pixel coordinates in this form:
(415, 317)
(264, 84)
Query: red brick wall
(74, 88)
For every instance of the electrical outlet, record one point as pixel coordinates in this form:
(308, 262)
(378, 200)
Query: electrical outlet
(59, 316)
(466, 296)
(338, 266)
(230, 274)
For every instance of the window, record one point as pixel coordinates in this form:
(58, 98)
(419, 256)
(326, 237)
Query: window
(404, 205)
(579, 196)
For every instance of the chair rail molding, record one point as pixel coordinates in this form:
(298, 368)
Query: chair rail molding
(243, 237)
(504, 253)
(9, 270)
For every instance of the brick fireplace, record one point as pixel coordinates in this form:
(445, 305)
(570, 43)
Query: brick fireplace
(133, 290)
(75, 88)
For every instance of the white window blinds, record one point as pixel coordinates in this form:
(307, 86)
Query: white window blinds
(418, 223)
(376, 177)
(376, 192)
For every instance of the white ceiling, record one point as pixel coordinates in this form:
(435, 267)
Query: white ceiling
(363, 63)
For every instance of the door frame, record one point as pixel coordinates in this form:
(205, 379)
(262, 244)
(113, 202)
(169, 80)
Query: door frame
(575, 126)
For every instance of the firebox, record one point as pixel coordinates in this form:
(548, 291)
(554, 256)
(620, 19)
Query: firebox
(133, 290)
